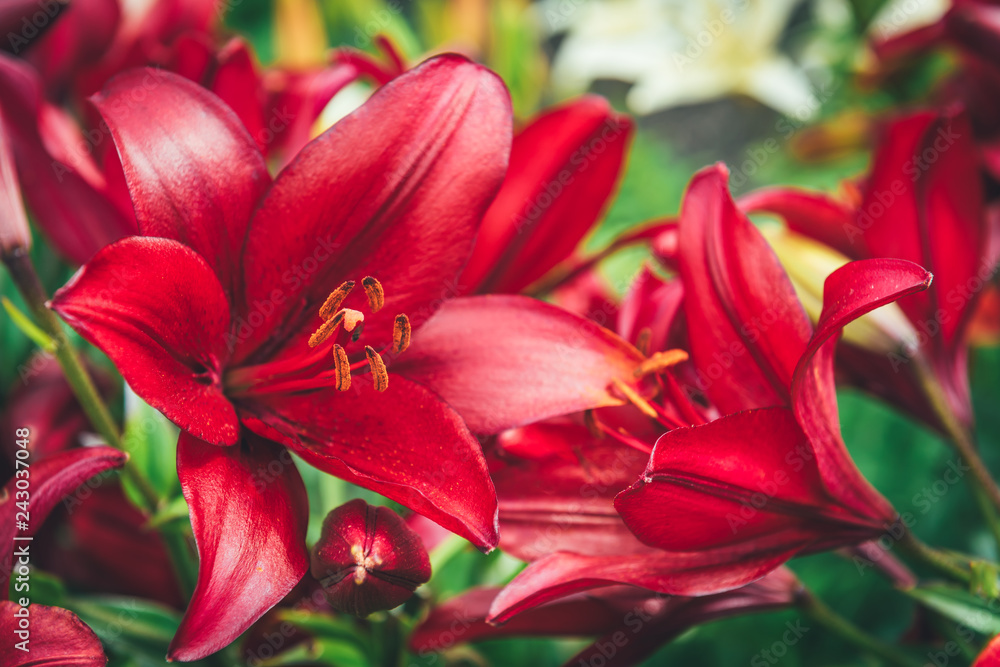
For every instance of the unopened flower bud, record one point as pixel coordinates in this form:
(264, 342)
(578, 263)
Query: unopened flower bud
(368, 559)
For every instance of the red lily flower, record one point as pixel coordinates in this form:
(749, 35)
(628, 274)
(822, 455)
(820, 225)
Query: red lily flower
(564, 166)
(211, 322)
(54, 636)
(690, 547)
(635, 622)
(922, 202)
(774, 479)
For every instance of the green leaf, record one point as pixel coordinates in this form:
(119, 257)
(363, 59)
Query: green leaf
(985, 579)
(320, 652)
(128, 626)
(968, 609)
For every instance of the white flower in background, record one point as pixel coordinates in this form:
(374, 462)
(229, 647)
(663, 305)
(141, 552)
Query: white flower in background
(898, 16)
(679, 52)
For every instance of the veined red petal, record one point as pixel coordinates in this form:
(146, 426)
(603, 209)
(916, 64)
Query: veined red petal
(404, 443)
(562, 574)
(51, 479)
(249, 513)
(505, 361)
(395, 190)
(749, 477)
(849, 292)
(58, 637)
(747, 327)
(194, 173)
(563, 167)
(155, 307)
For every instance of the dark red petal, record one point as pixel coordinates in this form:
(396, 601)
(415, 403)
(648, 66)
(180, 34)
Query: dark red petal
(80, 36)
(813, 214)
(50, 479)
(504, 361)
(237, 82)
(64, 190)
(924, 203)
(395, 190)
(653, 304)
(249, 513)
(194, 173)
(747, 327)
(368, 559)
(403, 443)
(849, 293)
(14, 232)
(565, 503)
(747, 477)
(155, 307)
(561, 574)
(55, 637)
(675, 615)
(462, 619)
(563, 167)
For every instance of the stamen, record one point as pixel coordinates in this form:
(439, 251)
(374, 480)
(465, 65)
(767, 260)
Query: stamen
(351, 318)
(337, 296)
(634, 398)
(374, 292)
(400, 333)
(660, 362)
(379, 374)
(326, 329)
(341, 368)
(642, 341)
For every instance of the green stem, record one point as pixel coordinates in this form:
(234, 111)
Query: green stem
(963, 442)
(814, 608)
(939, 560)
(23, 273)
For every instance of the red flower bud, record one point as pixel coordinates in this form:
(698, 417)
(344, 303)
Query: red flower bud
(368, 559)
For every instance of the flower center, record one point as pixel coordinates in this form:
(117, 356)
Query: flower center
(340, 328)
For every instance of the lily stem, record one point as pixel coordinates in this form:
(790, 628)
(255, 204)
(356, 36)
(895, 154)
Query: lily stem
(817, 610)
(962, 440)
(941, 561)
(26, 279)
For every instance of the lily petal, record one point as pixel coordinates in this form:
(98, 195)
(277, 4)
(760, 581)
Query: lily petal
(563, 168)
(249, 512)
(814, 214)
(505, 361)
(562, 574)
(51, 479)
(745, 478)
(58, 637)
(404, 443)
(194, 173)
(849, 292)
(155, 307)
(409, 174)
(747, 326)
